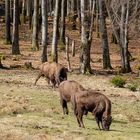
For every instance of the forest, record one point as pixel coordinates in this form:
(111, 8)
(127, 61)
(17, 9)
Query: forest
(94, 42)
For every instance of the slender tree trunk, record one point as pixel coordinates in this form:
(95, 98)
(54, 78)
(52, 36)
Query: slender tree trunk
(62, 25)
(79, 14)
(15, 41)
(23, 11)
(85, 43)
(73, 48)
(68, 7)
(55, 32)
(124, 39)
(97, 19)
(35, 44)
(29, 12)
(67, 54)
(8, 22)
(11, 10)
(73, 14)
(104, 36)
(44, 30)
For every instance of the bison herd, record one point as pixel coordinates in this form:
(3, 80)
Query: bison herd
(82, 100)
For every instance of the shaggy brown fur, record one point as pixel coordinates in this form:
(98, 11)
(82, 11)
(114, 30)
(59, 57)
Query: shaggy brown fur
(66, 89)
(55, 73)
(94, 102)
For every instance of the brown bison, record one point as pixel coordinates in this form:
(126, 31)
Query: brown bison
(66, 89)
(55, 73)
(94, 102)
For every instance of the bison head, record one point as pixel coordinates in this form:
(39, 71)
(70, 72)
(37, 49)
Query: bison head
(106, 122)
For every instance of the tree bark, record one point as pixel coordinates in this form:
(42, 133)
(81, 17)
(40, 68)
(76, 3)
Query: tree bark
(62, 25)
(55, 32)
(15, 41)
(104, 35)
(97, 19)
(23, 11)
(67, 54)
(29, 12)
(85, 43)
(7, 22)
(35, 44)
(73, 48)
(124, 38)
(44, 30)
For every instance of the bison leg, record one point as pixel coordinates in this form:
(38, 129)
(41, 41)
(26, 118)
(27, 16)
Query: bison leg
(80, 118)
(98, 122)
(39, 75)
(64, 106)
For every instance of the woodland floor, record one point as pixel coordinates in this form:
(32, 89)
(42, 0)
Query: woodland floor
(29, 112)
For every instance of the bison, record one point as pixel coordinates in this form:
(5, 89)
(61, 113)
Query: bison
(55, 73)
(66, 89)
(94, 102)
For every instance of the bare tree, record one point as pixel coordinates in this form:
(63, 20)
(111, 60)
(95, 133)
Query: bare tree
(15, 40)
(7, 22)
(119, 15)
(104, 35)
(23, 11)
(55, 31)
(35, 44)
(44, 30)
(86, 37)
(62, 25)
(29, 11)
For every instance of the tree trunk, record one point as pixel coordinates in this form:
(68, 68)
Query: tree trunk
(97, 19)
(44, 30)
(85, 43)
(29, 12)
(73, 14)
(124, 39)
(11, 10)
(7, 22)
(62, 25)
(73, 48)
(67, 54)
(104, 36)
(35, 44)
(79, 14)
(23, 20)
(68, 7)
(15, 41)
(55, 32)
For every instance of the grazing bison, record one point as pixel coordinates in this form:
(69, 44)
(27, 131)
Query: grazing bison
(55, 73)
(94, 102)
(66, 89)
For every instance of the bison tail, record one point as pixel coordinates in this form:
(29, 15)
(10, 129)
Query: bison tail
(73, 101)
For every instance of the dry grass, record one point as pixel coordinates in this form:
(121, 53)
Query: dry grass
(34, 112)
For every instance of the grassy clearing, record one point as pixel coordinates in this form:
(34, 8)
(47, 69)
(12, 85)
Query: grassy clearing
(34, 112)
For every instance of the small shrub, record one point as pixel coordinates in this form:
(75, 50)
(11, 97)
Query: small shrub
(2, 57)
(132, 87)
(118, 81)
(138, 67)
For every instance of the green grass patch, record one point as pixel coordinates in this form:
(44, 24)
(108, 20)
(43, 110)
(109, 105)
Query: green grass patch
(118, 81)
